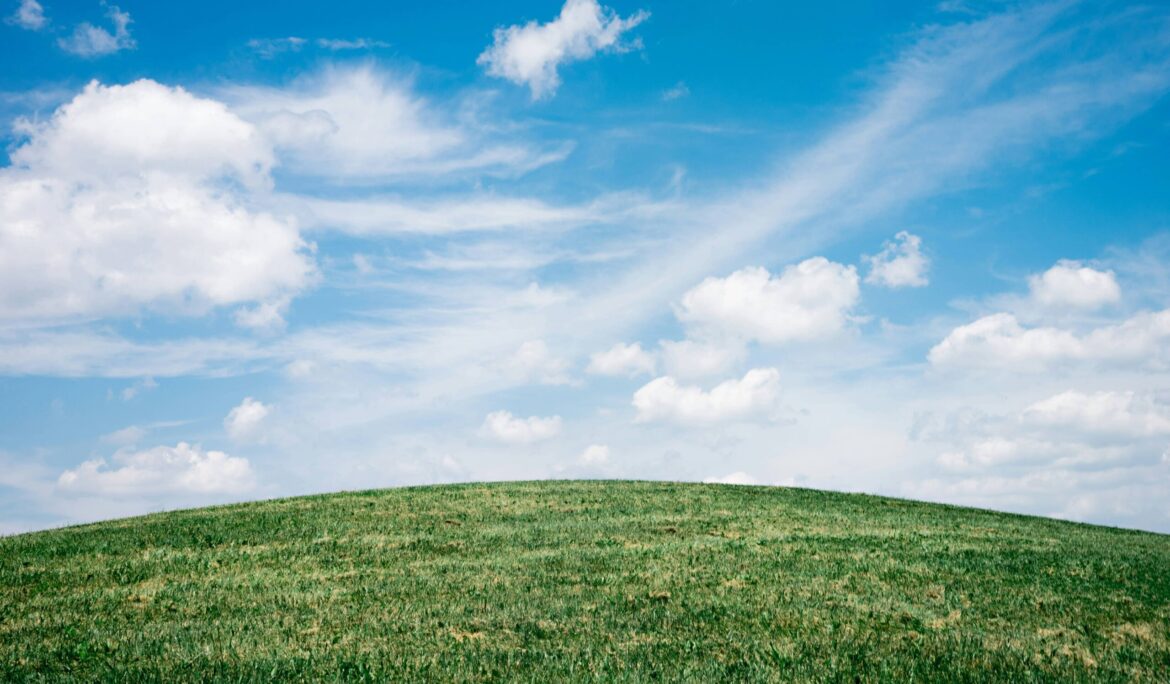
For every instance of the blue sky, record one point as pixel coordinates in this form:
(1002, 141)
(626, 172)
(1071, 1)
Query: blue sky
(916, 249)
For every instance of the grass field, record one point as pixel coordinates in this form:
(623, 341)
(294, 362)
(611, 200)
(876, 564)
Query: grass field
(602, 581)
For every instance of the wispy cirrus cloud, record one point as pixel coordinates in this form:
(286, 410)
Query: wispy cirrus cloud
(29, 15)
(361, 124)
(338, 44)
(270, 48)
(88, 40)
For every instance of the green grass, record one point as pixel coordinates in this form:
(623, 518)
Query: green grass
(596, 581)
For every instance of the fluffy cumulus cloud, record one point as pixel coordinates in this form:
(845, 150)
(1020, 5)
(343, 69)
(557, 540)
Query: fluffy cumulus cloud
(1000, 341)
(739, 477)
(901, 263)
(163, 470)
(1096, 455)
(1069, 285)
(505, 427)
(143, 129)
(531, 54)
(244, 422)
(751, 397)
(29, 15)
(623, 360)
(130, 197)
(806, 301)
(594, 455)
(88, 40)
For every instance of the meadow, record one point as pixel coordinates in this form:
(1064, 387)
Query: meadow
(585, 581)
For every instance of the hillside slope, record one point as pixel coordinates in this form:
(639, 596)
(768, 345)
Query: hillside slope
(585, 580)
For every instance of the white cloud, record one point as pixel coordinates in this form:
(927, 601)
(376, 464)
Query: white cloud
(144, 385)
(1082, 455)
(1000, 341)
(337, 44)
(1071, 429)
(450, 215)
(701, 359)
(594, 455)
(143, 129)
(88, 40)
(346, 122)
(127, 436)
(622, 359)
(993, 453)
(361, 124)
(901, 263)
(739, 477)
(268, 48)
(530, 54)
(243, 423)
(29, 15)
(754, 396)
(361, 264)
(74, 352)
(264, 316)
(678, 91)
(1125, 414)
(534, 362)
(162, 470)
(806, 301)
(503, 426)
(128, 197)
(1068, 284)
(1125, 496)
(300, 369)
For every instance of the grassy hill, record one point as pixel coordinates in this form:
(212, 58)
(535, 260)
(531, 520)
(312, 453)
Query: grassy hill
(604, 581)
